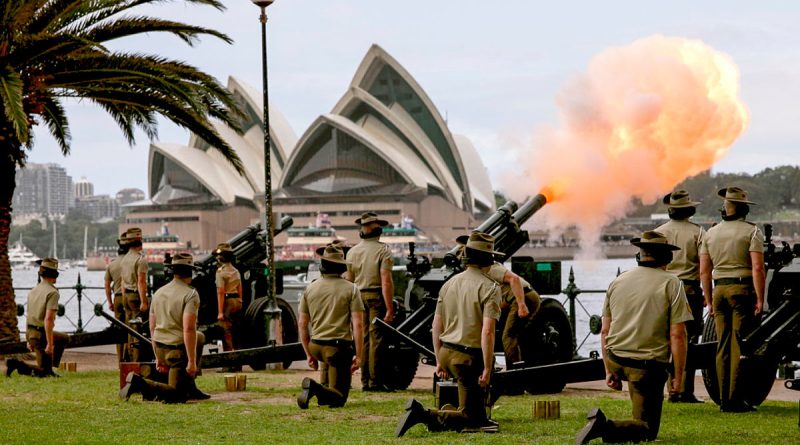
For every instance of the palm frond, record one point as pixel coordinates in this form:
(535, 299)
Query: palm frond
(55, 118)
(11, 95)
(129, 26)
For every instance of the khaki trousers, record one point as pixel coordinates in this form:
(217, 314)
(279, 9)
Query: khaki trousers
(734, 318)
(335, 373)
(515, 325)
(232, 322)
(646, 390)
(37, 340)
(179, 383)
(132, 305)
(373, 337)
(694, 329)
(466, 369)
(119, 314)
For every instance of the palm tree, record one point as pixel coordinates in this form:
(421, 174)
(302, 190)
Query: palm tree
(52, 50)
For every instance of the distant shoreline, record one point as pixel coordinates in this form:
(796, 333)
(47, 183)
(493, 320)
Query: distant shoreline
(568, 253)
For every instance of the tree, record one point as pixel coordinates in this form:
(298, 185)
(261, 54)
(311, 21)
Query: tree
(51, 50)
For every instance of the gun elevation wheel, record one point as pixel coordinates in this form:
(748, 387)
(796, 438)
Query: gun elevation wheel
(757, 373)
(547, 339)
(255, 327)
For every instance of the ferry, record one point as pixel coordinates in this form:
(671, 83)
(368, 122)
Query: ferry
(301, 243)
(21, 257)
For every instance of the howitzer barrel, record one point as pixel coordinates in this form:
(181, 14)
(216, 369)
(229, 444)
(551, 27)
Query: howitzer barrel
(508, 237)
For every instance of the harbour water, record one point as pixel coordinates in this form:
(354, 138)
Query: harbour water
(589, 275)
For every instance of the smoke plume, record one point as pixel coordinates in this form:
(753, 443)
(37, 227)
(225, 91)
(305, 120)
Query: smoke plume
(639, 121)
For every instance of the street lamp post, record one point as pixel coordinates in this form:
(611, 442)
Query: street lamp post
(270, 227)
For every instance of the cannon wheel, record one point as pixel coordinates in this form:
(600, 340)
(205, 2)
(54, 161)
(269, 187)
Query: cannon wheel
(759, 373)
(547, 339)
(255, 332)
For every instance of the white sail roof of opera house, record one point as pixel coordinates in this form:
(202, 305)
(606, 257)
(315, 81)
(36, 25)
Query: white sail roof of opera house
(386, 136)
(195, 173)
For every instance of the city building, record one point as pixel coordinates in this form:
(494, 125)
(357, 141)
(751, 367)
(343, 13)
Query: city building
(100, 208)
(384, 147)
(43, 189)
(83, 188)
(129, 195)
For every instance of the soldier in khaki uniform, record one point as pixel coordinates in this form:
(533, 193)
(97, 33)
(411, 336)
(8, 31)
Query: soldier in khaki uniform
(134, 287)
(370, 269)
(176, 343)
(732, 253)
(47, 344)
(518, 297)
(113, 286)
(333, 307)
(687, 235)
(463, 338)
(644, 317)
(229, 296)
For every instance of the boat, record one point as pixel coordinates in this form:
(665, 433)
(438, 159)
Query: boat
(21, 257)
(302, 242)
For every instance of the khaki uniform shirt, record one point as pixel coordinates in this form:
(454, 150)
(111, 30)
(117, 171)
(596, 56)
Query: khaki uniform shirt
(688, 236)
(643, 303)
(729, 244)
(463, 302)
(133, 263)
(228, 278)
(329, 302)
(496, 274)
(114, 274)
(367, 259)
(168, 306)
(42, 298)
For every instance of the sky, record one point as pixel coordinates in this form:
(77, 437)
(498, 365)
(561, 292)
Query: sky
(493, 69)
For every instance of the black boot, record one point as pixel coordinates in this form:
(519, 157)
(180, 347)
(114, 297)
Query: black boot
(134, 384)
(594, 428)
(196, 394)
(11, 366)
(415, 414)
(309, 391)
(21, 367)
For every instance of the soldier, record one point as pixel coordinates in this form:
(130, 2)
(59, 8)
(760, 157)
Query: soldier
(371, 269)
(134, 287)
(687, 235)
(114, 276)
(229, 296)
(43, 340)
(334, 308)
(519, 298)
(732, 253)
(463, 340)
(644, 317)
(177, 344)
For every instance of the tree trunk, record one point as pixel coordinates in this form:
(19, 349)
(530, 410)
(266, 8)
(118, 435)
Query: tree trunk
(8, 307)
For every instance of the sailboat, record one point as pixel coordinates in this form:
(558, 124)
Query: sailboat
(20, 256)
(82, 262)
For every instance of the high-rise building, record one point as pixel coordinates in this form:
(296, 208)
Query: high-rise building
(83, 188)
(44, 189)
(98, 207)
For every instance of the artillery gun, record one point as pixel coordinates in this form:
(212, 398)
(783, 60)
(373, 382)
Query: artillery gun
(250, 252)
(776, 340)
(546, 339)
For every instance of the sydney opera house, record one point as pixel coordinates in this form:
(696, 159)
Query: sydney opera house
(384, 147)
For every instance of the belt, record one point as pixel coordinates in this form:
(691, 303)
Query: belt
(691, 282)
(117, 294)
(464, 349)
(336, 342)
(232, 295)
(371, 289)
(638, 364)
(131, 291)
(36, 328)
(737, 280)
(166, 346)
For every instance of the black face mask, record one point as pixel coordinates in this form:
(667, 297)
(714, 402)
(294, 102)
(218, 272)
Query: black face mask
(374, 233)
(726, 217)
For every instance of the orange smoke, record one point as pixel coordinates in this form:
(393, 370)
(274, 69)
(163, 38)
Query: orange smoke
(639, 121)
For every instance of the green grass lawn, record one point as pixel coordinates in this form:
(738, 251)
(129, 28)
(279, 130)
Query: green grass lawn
(84, 408)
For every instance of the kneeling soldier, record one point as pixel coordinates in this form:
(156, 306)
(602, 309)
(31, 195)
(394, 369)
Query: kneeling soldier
(176, 343)
(47, 344)
(463, 339)
(333, 306)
